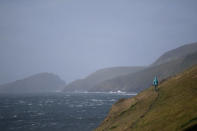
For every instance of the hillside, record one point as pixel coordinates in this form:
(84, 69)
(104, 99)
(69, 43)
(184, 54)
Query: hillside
(173, 107)
(43, 82)
(176, 53)
(140, 80)
(99, 76)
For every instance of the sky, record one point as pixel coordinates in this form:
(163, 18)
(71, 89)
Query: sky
(73, 38)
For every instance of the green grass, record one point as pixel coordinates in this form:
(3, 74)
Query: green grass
(113, 127)
(172, 108)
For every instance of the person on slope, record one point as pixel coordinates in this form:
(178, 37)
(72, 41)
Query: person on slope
(155, 83)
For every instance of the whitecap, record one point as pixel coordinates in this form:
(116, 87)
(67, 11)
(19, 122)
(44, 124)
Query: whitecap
(96, 100)
(78, 105)
(40, 113)
(100, 104)
(112, 100)
(14, 116)
(132, 94)
(20, 120)
(29, 104)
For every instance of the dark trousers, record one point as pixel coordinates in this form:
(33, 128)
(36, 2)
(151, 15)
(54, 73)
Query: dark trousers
(156, 89)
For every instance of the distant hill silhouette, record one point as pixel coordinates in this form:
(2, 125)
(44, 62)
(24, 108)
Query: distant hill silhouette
(43, 82)
(100, 76)
(169, 64)
(177, 53)
(164, 67)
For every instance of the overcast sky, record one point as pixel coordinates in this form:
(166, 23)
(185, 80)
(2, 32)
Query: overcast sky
(73, 38)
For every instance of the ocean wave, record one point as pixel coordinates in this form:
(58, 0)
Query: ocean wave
(118, 92)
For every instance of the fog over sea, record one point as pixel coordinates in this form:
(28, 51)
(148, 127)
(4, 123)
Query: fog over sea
(55, 111)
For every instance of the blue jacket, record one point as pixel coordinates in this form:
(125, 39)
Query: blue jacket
(155, 81)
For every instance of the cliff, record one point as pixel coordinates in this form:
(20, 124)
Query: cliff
(173, 107)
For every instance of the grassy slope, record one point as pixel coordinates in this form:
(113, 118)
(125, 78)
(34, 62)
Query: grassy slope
(173, 107)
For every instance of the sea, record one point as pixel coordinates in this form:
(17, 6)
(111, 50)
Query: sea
(55, 111)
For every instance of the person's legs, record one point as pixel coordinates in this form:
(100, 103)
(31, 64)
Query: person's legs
(156, 89)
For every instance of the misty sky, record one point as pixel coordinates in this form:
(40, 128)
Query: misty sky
(73, 38)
